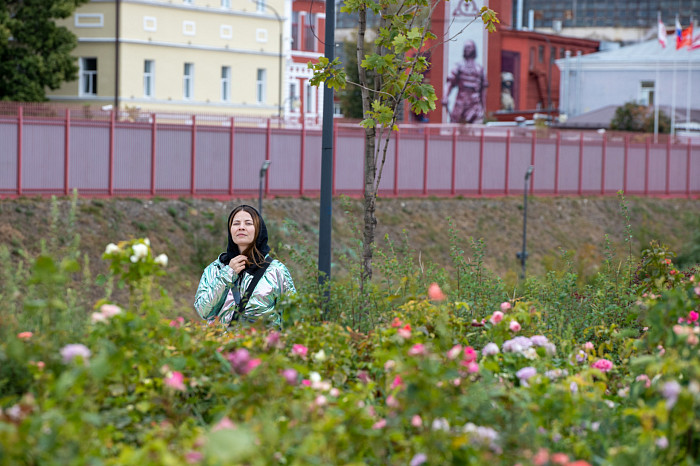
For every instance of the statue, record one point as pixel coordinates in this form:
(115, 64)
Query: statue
(469, 79)
(507, 101)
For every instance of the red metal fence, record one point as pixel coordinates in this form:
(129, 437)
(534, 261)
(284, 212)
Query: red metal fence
(101, 153)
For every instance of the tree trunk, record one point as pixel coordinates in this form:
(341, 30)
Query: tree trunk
(370, 220)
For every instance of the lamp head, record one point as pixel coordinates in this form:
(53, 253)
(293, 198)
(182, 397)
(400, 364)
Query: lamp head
(264, 167)
(529, 171)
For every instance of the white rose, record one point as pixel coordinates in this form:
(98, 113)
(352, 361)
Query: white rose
(98, 317)
(140, 250)
(315, 377)
(112, 248)
(147, 241)
(162, 259)
(320, 356)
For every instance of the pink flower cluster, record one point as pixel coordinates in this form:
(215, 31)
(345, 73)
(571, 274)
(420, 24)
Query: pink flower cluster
(435, 293)
(241, 362)
(175, 380)
(106, 312)
(602, 365)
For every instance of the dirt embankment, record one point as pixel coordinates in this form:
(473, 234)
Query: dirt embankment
(192, 231)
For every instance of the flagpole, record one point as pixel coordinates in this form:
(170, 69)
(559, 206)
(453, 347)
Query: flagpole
(690, 81)
(673, 101)
(661, 33)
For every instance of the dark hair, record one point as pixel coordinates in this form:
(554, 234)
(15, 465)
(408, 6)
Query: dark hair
(258, 249)
(251, 252)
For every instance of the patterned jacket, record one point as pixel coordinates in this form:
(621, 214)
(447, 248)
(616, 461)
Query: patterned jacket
(214, 296)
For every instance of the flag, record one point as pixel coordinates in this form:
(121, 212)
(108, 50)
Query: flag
(662, 33)
(695, 44)
(684, 37)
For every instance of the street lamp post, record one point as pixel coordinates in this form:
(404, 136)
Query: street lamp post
(522, 255)
(263, 170)
(280, 21)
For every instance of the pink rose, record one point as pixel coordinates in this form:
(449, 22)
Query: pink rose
(588, 346)
(602, 365)
(454, 352)
(405, 332)
(25, 335)
(175, 380)
(496, 317)
(469, 354)
(416, 421)
(505, 306)
(300, 350)
(514, 326)
(435, 293)
(380, 424)
(692, 316)
(417, 350)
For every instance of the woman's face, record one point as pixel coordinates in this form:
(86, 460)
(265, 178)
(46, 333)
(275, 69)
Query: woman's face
(243, 230)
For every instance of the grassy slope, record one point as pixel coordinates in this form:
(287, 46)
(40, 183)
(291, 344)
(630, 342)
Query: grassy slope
(192, 231)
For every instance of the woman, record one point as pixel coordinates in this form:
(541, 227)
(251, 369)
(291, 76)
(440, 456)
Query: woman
(227, 289)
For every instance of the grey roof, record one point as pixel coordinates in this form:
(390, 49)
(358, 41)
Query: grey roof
(601, 117)
(649, 51)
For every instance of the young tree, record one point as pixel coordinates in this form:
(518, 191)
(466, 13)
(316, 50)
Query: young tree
(34, 51)
(387, 76)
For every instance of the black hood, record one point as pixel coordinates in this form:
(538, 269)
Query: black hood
(232, 249)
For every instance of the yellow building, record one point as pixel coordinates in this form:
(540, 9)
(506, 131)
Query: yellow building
(181, 56)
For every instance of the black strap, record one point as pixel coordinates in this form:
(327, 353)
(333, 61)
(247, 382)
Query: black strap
(257, 275)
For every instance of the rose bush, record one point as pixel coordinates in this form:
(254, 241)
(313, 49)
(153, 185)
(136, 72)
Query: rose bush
(427, 385)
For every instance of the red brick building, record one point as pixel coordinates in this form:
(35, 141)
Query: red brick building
(527, 56)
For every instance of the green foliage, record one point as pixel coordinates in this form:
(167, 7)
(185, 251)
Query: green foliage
(35, 53)
(639, 118)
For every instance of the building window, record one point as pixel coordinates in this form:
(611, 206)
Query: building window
(540, 54)
(225, 3)
(646, 93)
(88, 76)
(226, 31)
(150, 23)
(225, 83)
(295, 31)
(187, 2)
(261, 35)
(260, 6)
(260, 86)
(189, 28)
(188, 81)
(148, 78)
(89, 20)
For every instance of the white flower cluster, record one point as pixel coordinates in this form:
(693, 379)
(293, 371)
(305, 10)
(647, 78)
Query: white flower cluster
(483, 436)
(140, 251)
(526, 346)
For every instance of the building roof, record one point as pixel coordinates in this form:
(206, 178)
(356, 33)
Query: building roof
(601, 117)
(647, 52)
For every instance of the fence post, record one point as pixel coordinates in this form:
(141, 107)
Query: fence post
(154, 129)
(668, 166)
(426, 139)
(647, 155)
(687, 170)
(580, 164)
(602, 164)
(302, 155)
(396, 163)
(532, 161)
(482, 139)
(66, 153)
(231, 140)
(625, 163)
(110, 187)
(557, 157)
(453, 189)
(20, 128)
(268, 136)
(193, 154)
(507, 161)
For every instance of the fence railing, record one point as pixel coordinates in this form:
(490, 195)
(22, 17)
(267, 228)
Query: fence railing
(157, 155)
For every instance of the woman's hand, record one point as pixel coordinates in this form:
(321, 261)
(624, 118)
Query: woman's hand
(238, 263)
